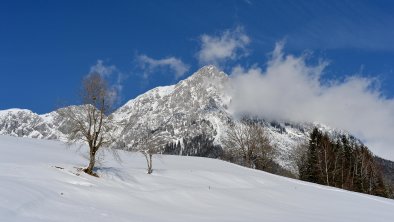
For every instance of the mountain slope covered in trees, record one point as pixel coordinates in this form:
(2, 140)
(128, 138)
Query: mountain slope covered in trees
(343, 163)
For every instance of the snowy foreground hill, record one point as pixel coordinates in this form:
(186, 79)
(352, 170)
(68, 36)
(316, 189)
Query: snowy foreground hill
(40, 181)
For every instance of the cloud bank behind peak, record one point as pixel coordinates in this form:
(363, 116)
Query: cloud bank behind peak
(290, 89)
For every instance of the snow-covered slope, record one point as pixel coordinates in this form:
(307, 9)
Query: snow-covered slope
(193, 107)
(39, 181)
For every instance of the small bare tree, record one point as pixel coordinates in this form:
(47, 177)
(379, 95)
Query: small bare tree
(249, 141)
(149, 142)
(145, 139)
(88, 122)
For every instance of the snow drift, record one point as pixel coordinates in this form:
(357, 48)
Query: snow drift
(40, 181)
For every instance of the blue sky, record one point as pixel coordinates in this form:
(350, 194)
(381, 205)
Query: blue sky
(47, 47)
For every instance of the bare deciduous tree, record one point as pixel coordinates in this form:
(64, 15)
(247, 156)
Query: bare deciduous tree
(89, 122)
(147, 139)
(149, 142)
(249, 141)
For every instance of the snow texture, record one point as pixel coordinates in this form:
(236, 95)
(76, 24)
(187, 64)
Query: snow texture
(40, 181)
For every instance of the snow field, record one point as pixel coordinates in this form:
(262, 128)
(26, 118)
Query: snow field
(40, 181)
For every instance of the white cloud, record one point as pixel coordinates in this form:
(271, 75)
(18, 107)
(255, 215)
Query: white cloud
(149, 65)
(102, 69)
(113, 76)
(290, 89)
(230, 45)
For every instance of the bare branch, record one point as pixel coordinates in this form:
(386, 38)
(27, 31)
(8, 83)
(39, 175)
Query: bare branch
(88, 122)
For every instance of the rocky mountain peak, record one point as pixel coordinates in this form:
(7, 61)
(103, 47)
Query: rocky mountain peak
(205, 85)
(208, 72)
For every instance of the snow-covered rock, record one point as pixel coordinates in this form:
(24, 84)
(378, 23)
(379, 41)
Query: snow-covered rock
(25, 123)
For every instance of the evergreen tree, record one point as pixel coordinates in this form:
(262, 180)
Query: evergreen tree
(345, 164)
(311, 171)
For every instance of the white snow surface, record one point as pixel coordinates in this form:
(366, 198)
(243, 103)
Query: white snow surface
(180, 189)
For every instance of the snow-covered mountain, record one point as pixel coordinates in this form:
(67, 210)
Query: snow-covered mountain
(194, 106)
(189, 109)
(25, 123)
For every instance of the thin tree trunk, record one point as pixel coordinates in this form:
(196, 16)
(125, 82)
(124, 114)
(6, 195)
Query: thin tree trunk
(148, 158)
(335, 171)
(326, 166)
(150, 164)
(342, 182)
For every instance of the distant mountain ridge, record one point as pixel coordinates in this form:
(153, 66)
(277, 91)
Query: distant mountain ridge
(196, 107)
